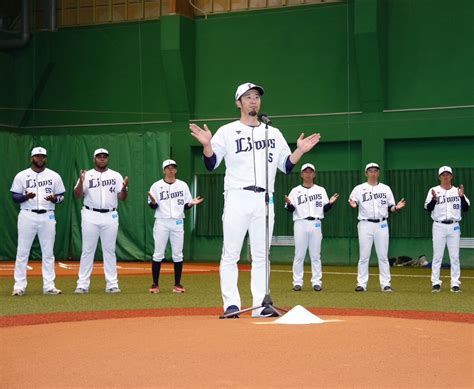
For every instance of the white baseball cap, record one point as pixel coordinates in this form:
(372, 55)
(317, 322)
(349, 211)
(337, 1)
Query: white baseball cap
(168, 162)
(241, 89)
(306, 165)
(100, 151)
(443, 169)
(38, 151)
(371, 164)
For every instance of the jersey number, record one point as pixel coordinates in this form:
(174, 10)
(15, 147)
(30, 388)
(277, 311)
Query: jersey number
(112, 189)
(180, 202)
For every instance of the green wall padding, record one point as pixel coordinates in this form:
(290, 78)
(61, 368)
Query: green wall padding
(136, 155)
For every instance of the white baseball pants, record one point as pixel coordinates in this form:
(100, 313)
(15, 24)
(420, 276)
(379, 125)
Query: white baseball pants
(173, 230)
(31, 224)
(244, 211)
(97, 225)
(373, 233)
(446, 235)
(308, 235)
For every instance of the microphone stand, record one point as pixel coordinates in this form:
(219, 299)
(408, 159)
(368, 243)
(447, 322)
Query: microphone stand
(267, 302)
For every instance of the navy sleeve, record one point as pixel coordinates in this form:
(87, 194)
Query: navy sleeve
(210, 162)
(187, 206)
(59, 198)
(153, 206)
(430, 206)
(464, 204)
(290, 207)
(18, 197)
(327, 207)
(289, 165)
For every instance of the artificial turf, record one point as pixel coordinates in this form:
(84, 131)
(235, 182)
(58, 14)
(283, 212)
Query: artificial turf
(412, 292)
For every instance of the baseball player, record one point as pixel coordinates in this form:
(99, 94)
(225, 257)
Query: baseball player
(169, 197)
(375, 200)
(101, 189)
(242, 145)
(446, 202)
(37, 190)
(309, 203)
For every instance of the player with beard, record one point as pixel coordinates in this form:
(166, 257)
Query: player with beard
(242, 144)
(37, 190)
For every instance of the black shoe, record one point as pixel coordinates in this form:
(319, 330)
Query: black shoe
(436, 288)
(230, 309)
(317, 288)
(387, 288)
(268, 312)
(359, 289)
(297, 288)
(456, 289)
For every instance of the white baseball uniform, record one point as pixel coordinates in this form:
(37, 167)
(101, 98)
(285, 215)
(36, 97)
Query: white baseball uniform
(169, 217)
(446, 216)
(243, 149)
(36, 217)
(99, 220)
(374, 202)
(308, 213)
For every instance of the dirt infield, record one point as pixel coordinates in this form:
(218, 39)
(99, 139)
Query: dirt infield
(203, 352)
(192, 348)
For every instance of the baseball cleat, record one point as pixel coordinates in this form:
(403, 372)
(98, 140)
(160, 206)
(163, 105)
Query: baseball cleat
(230, 309)
(297, 288)
(268, 312)
(317, 288)
(436, 288)
(178, 289)
(455, 289)
(113, 290)
(18, 292)
(387, 288)
(81, 291)
(52, 291)
(154, 288)
(359, 288)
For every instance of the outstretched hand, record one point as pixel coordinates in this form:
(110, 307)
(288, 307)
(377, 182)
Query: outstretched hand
(197, 200)
(334, 198)
(306, 144)
(461, 190)
(202, 135)
(287, 200)
(433, 194)
(401, 204)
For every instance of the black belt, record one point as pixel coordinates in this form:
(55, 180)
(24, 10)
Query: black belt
(445, 221)
(37, 210)
(376, 220)
(254, 188)
(311, 218)
(99, 210)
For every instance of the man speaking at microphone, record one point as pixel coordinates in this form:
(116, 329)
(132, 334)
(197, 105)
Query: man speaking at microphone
(242, 145)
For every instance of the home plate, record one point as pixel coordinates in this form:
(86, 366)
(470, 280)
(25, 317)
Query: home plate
(298, 315)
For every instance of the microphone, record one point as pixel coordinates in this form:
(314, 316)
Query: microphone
(263, 117)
